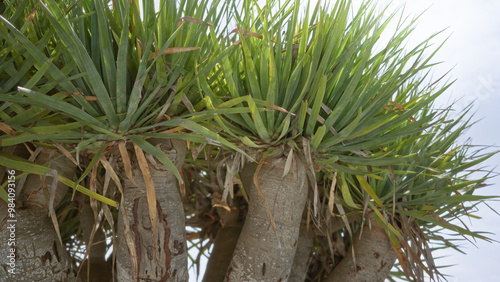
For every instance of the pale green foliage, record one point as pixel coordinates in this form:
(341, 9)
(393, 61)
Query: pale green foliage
(89, 74)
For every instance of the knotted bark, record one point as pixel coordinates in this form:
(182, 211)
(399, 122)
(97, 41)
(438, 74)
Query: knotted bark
(263, 254)
(39, 255)
(165, 258)
(374, 257)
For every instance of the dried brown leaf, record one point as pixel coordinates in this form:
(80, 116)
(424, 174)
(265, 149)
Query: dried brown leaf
(415, 256)
(332, 194)
(231, 170)
(111, 172)
(259, 189)
(246, 32)
(344, 219)
(88, 98)
(222, 204)
(389, 109)
(187, 103)
(326, 109)
(445, 222)
(127, 165)
(401, 258)
(150, 188)
(130, 241)
(165, 107)
(397, 105)
(68, 155)
(7, 129)
(321, 120)
(442, 220)
(279, 109)
(311, 173)
(173, 50)
(193, 20)
(32, 14)
(393, 190)
(195, 151)
(52, 193)
(288, 163)
(348, 227)
(141, 44)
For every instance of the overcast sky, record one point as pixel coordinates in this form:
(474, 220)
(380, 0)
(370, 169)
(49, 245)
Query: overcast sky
(473, 54)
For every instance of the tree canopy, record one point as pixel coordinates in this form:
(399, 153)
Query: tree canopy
(216, 96)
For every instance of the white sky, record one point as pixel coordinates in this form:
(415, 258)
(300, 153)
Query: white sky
(473, 51)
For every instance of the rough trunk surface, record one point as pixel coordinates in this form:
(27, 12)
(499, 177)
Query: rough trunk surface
(38, 255)
(374, 257)
(302, 255)
(223, 249)
(261, 253)
(165, 258)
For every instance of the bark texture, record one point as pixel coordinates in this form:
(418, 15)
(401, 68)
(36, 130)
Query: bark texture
(302, 255)
(261, 253)
(224, 245)
(165, 258)
(39, 256)
(374, 257)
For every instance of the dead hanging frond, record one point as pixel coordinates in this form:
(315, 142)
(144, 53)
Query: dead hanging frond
(244, 32)
(311, 174)
(231, 169)
(288, 163)
(192, 20)
(7, 129)
(331, 199)
(172, 50)
(347, 225)
(68, 155)
(150, 188)
(52, 194)
(111, 174)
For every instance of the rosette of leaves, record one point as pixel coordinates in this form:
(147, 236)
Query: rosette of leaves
(336, 93)
(113, 82)
(417, 203)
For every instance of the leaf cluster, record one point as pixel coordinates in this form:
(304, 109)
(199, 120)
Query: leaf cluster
(92, 79)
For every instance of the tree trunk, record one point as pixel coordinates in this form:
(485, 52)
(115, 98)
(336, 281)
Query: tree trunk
(165, 258)
(224, 245)
(374, 257)
(302, 255)
(39, 255)
(261, 253)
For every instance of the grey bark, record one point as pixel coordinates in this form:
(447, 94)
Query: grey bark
(374, 257)
(39, 255)
(302, 255)
(262, 254)
(165, 258)
(224, 245)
